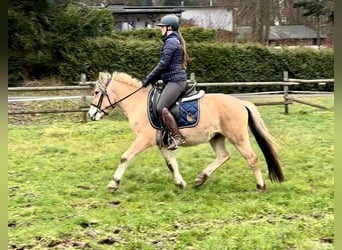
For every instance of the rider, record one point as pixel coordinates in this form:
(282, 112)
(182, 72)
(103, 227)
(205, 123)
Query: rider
(172, 70)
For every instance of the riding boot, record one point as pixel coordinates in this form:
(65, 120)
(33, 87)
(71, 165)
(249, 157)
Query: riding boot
(176, 137)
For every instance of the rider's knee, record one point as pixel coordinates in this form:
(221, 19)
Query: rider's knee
(161, 110)
(165, 110)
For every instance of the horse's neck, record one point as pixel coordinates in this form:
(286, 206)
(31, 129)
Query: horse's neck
(135, 105)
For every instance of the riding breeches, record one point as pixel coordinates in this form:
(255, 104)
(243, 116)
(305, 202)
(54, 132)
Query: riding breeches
(170, 94)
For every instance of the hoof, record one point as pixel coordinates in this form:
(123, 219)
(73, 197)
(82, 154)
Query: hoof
(261, 188)
(113, 186)
(201, 179)
(181, 185)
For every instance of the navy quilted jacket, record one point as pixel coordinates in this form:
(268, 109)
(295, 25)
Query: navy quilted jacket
(170, 66)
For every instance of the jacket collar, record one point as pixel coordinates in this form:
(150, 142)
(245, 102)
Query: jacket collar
(173, 34)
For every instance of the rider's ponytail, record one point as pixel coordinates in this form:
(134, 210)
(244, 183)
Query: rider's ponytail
(185, 54)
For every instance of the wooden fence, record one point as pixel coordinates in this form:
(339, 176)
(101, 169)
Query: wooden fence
(85, 86)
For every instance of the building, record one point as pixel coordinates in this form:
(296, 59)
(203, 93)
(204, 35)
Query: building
(140, 17)
(283, 35)
(216, 17)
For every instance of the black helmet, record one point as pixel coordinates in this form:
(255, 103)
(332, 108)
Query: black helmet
(170, 20)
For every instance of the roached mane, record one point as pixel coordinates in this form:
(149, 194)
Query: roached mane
(127, 79)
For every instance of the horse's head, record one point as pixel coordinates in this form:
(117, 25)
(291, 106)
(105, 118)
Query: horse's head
(101, 102)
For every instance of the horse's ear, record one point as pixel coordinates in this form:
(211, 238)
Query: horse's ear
(102, 76)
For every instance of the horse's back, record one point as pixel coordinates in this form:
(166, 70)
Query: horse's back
(224, 104)
(220, 114)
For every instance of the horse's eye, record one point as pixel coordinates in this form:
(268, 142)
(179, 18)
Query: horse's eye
(96, 92)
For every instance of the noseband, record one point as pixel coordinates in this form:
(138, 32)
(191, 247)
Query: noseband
(99, 104)
(103, 89)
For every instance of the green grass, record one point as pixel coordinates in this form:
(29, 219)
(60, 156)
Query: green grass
(57, 177)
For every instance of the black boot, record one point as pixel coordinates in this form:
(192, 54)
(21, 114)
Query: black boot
(176, 137)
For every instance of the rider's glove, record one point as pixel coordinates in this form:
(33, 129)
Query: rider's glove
(145, 83)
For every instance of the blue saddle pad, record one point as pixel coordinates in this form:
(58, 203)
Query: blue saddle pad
(185, 113)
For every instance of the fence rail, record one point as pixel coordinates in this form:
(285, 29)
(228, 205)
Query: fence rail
(86, 86)
(291, 99)
(42, 98)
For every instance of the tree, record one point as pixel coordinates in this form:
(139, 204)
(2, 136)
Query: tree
(28, 25)
(42, 35)
(316, 7)
(259, 15)
(318, 10)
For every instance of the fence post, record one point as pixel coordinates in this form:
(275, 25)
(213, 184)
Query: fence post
(83, 79)
(192, 77)
(84, 98)
(286, 92)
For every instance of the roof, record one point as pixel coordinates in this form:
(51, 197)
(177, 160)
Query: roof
(291, 32)
(281, 32)
(120, 9)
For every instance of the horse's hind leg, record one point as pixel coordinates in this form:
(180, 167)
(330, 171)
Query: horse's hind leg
(248, 153)
(172, 164)
(222, 155)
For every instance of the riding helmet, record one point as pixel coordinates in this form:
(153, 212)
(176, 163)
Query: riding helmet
(170, 20)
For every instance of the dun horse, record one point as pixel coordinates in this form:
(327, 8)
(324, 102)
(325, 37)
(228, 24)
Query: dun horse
(221, 117)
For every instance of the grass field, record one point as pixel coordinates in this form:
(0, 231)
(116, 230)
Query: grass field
(58, 172)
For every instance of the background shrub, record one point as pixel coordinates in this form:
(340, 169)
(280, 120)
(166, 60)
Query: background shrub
(211, 61)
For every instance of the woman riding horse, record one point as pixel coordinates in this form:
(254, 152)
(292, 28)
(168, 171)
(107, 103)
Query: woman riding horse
(171, 69)
(222, 117)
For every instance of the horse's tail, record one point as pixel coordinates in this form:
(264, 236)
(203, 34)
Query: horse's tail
(265, 142)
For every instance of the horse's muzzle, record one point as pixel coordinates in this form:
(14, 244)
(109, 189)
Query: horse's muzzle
(94, 113)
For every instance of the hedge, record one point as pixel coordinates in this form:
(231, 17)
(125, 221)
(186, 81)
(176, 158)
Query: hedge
(214, 62)
(136, 52)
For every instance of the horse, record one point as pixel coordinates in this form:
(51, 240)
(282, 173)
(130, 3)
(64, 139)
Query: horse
(222, 117)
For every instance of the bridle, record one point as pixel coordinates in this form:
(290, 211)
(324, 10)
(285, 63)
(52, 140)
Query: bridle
(103, 89)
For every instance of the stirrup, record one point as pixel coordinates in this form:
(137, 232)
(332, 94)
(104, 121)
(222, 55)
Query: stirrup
(175, 142)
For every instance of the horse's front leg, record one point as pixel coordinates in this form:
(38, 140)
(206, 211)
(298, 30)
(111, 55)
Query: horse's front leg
(139, 145)
(172, 164)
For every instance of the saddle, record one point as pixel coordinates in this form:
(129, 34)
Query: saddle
(185, 110)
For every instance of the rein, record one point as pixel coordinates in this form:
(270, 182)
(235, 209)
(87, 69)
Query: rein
(112, 105)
